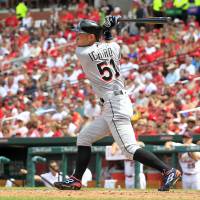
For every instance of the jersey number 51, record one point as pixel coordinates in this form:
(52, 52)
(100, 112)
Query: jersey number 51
(105, 70)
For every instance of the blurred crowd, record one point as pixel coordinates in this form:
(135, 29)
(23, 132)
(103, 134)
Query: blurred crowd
(44, 92)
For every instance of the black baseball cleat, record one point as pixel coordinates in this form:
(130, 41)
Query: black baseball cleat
(170, 177)
(71, 183)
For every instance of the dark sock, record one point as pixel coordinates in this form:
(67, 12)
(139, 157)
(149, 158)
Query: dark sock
(149, 159)
(82, 160)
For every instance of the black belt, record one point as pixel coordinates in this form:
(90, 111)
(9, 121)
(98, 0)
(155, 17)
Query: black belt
(129, 176)
(189, 174)
(116, 93)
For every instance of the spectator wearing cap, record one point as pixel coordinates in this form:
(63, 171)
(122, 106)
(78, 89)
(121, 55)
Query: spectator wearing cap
(92, 110)
(151, 128)
(4, 51)
(32, 129)
(3, 91)
(150, 47)
(191, 123)
(189, 101)
(30, 89)
(70, 127)
(54, 77)
(154, 100)
(71, 74)
(174, 128)
(60, 60)
(173, 75)
(196, 61)
(11, 87)
(150, 86)
(127, 67)
(142, 99)
(5, 132)
(188, 66)
(192, 34)
(48, 43)
(80, 107)
(136, 83)
(140, 127)
(26, 50)
(47, 129)
(20, 128)
(35, 49)
(125, 50)
(60, 113)
(57, 129)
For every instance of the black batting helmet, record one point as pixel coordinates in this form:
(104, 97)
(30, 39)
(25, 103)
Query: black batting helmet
(88, 26)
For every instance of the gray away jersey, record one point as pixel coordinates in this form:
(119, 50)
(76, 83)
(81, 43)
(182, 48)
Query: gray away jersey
(100, 63)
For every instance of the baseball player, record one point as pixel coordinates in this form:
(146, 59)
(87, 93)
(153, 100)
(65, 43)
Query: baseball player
(101, 63)
(189, 162)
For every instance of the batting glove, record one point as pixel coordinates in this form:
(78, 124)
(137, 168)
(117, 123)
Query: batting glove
(111, 21)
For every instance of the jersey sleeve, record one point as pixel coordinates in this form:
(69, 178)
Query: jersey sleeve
(117, 49)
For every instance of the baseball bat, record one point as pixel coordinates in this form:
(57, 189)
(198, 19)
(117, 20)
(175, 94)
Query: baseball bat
(150, 20)
(45, 180)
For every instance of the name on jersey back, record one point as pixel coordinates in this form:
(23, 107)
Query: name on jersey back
(101, 54)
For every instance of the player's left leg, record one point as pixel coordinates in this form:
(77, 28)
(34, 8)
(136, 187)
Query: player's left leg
(120, 125)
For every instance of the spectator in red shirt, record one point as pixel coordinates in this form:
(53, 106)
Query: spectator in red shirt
(94, 14)
(66, 17)
(82, 5)
(11, 20)
(126, 38)
(56, 128)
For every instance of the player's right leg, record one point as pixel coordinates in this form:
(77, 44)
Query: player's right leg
(93, 132)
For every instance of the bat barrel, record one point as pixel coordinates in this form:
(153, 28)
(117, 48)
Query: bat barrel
(151, 20)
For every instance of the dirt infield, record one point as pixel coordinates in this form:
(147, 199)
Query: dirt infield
(96, 194)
